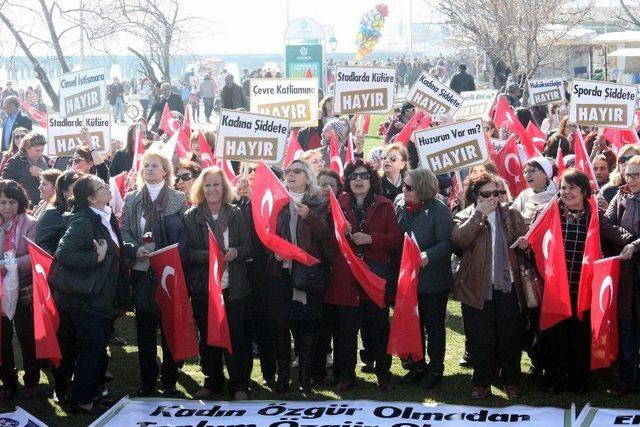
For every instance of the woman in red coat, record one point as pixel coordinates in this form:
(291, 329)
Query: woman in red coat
(374, 234)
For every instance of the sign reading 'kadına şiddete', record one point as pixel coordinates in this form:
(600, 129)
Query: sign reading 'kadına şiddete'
(595, 103)
(428, 94)
(364, 89)
(251, 137)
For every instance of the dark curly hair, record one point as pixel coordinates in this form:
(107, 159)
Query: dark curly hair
(63, 183)
(13, 190)
(473, 187)
(578, 178)
(374, 179)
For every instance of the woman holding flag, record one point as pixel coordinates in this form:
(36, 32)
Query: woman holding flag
(211, 196)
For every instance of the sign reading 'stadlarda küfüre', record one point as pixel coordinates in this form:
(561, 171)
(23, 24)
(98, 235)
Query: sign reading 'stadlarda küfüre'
(251, 137)
(364, 89)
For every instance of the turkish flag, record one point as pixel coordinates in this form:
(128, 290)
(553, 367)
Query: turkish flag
(506, 116)
(350, 156)
(36, 115)
(373, 285)
(366, 121)
(45, 313)
(420, 120)
(405, 338)
(604, 312)
(620, 137)
(590, 255)
(217, 324)
(168, 123)
(545, 237)
(510, 167)
(493, 154)
(183, 141)
(268, 197)
(294, 150)
(500, 113)
(583, 162)
(560, 164)
(539, 139)
(118, 186)
(138, 150)
(172, 298)
(335, 161)
(207, 158)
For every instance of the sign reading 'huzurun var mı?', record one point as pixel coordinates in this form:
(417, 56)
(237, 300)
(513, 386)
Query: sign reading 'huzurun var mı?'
(428, 94)
(364, 89)
(596, 103)
(251, 137)
(295, 99)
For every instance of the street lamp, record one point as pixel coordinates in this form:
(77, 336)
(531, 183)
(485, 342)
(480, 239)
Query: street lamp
(333, 43)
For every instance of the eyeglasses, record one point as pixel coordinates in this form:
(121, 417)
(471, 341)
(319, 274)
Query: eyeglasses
(407, 186)
(184, 177)
(631, 175)
(623, 159)
(531, 171)
(392, 158)
(359, 175)
(101, 186)
(295, 171)
(494, 193)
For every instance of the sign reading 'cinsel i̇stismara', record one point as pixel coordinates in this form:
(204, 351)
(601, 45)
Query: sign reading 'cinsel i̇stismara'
(546, 91)
(602, 104)
(251, 137)
(364, 89)
(448, 148)
(428, 94)
(83, 92)
(295, 99)
(66, 133)
(475, 103)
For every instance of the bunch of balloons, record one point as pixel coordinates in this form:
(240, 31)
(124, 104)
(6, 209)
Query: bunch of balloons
(371, 24)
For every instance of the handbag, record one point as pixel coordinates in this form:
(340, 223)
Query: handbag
(531, 281)
(83, 283)
(309, 278)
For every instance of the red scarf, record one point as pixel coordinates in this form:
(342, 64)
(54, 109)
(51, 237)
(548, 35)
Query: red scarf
(413, 207)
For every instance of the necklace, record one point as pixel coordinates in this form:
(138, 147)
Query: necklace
(573, 215)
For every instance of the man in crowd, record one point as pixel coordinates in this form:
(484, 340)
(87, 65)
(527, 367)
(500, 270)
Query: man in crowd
(11, 119)
(165, 96)
(8, 91)
(208, 91)
(116, 99)
(232, 95)
(601, 169)
(462, 81)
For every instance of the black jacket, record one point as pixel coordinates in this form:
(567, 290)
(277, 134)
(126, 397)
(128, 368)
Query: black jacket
(51, 227)
(197, 253)
(462, 82)
(175, 104)
(17, 169)
(77, 250)
(121, 162)
(21, 121)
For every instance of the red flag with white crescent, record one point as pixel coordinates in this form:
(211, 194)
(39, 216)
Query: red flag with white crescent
(268, 197)
(294, 150)
(604, 312)
(590, 255)
(207, 158)
(405, 339)
(173, 299)
(510, 167)
(217, 324)
(620, 137)
(420, 120)
(45, 313)
(335, 161)
(366, 121)
(36, 115)
(583, 162)
(168, 122)
(539, 139)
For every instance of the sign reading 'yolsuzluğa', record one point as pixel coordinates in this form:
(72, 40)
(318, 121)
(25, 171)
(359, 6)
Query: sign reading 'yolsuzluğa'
(295, 99)
(364, 89)
(595, 103)
(251, 137)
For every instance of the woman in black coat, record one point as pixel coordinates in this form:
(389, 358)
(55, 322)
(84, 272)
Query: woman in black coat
(211, 196)
(92, 247)
(25, 166)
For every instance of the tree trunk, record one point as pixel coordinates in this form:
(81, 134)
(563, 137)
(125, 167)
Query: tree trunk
(146, 65)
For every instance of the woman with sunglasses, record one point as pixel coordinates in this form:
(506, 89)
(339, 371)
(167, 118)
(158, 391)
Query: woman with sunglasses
(25, 166)
(294, 291)
(16, 137)
(624, 211)
(89, 161)
(186, 174)
(539, 173)
(487, 283)
(374, 234)
(617, 179)
(395, 164)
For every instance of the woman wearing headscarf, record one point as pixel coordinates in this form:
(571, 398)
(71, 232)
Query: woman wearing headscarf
(539, 172)
(152, 217)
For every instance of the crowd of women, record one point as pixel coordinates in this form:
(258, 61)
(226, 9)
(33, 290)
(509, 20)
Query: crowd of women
(473, 246)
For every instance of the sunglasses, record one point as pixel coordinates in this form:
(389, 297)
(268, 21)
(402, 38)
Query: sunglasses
(359, 175)
(624, 159)
(295, 171)
(392, 158)
(251, 170)
(631, 175)
(407, 186)
(494, 193)
(184, 177)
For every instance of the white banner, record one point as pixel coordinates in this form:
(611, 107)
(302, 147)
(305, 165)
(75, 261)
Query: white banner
(20, 418)
(338, 413)
(475, 104)
(444, 149)
(64, 134)
(599, 417)
(295, 99)
(428, 94)
(251, 137)
(596, 103)
(545, 91)
(83, 92)
(364, 89)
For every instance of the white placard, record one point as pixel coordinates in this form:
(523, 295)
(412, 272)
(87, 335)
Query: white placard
(295, 99)
(20, 418)
(475, 104)
(278, 413)
(444, 149)
(428, 94)
(364, 89)
(83, 92)
(251, 137)
(601, 417)
(602, 104)
(65, 133)
(545, 91)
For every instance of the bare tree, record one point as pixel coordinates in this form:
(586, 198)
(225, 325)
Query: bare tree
(630, 13)
(515, 34)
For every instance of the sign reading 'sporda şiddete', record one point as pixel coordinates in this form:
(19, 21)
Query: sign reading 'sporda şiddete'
(595, 103)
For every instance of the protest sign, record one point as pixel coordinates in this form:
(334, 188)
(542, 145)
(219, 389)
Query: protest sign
(251, 137)
(295, 99)
(428, 94)
(20, 418)
(64, 134)
(603, 417)
(602, 104)
(148, 412)
(475, 104)
(545, 91)
(448, 148)
(364, 89)
(83, 92)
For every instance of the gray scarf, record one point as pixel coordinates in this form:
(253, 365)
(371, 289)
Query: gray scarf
(501, 266)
